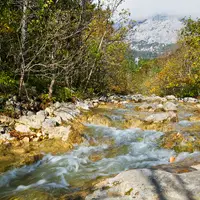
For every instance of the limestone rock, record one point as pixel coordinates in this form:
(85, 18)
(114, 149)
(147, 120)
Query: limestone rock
(22, 128)
(190, 100)
(41, 112)
(34, 121)
(57, 105)
(49, 123)
(59, 132)
(5, 136)
(137, 98)
(155, 99)
(65, 116)
(149, 185)
(49, 111)
(57, 119)
(6, 120)
(161, 117)
(153, 107)
(82, 105)
(30, 113)
(169, 106)
(171, 97)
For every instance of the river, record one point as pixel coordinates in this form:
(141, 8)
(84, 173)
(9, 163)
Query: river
(105, 151)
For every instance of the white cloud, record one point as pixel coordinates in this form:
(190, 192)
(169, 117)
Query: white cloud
(141, 9)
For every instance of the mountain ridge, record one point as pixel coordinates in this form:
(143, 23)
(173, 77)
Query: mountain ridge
(155, 35)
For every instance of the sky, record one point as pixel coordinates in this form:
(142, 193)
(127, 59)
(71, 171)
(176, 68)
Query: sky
(140, 9)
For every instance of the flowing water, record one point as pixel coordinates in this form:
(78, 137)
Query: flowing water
(105, 151)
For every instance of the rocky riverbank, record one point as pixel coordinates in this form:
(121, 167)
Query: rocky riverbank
(54, 130)
(179, 119)
(149, 184)
(133, 130)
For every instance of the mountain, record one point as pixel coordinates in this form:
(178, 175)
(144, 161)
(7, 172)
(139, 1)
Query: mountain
(155, 35)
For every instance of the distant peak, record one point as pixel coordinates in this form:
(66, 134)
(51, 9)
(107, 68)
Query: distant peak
(156, 33)
(160, 17)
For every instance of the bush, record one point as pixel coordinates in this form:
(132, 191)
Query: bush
(63, 94)
(7, 83)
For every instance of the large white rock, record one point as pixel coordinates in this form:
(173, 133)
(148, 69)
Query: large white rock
(190, 100)
(65, 116)
(155, 99)
(161, 117)
(22, 128)
(60, 132)
(34, 121)
(149, 184)
(151, 107)
(169, 106)
(171, 97)
(41, 112)
(5, 137)
(49, 123)
(57, 119)
(49, 111)
(57, 105)
(67, 112)
(137, 98)
(82, 105)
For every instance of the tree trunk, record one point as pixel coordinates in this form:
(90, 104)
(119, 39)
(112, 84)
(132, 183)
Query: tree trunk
(93, 66)
(51, 86)
(23, 40)
(24, 24)
(21, 83)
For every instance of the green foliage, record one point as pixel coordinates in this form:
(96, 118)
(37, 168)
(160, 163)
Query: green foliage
(7, 83)
(70, 43)
(46, 99)
(64, 94)
(177, 73)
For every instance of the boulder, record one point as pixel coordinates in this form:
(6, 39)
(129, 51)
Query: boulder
(6, 120)
(153, 107)
(5, 136)
(137, 98)
(144, 107)
(22, 128)
(161, 117)
(60, 132)
(190, 100)
(155, 99)
(65, 116)
(149, 185)
(49, 123)
(103, 99)
(30, 113)
(57, 119)
(41, 112)
(171, 98)
(82, 105)
(57, 105)
(49, 111)
(169, 106)
(34, 121)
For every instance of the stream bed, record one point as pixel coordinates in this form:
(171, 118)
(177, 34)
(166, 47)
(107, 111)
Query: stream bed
(105, 151)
